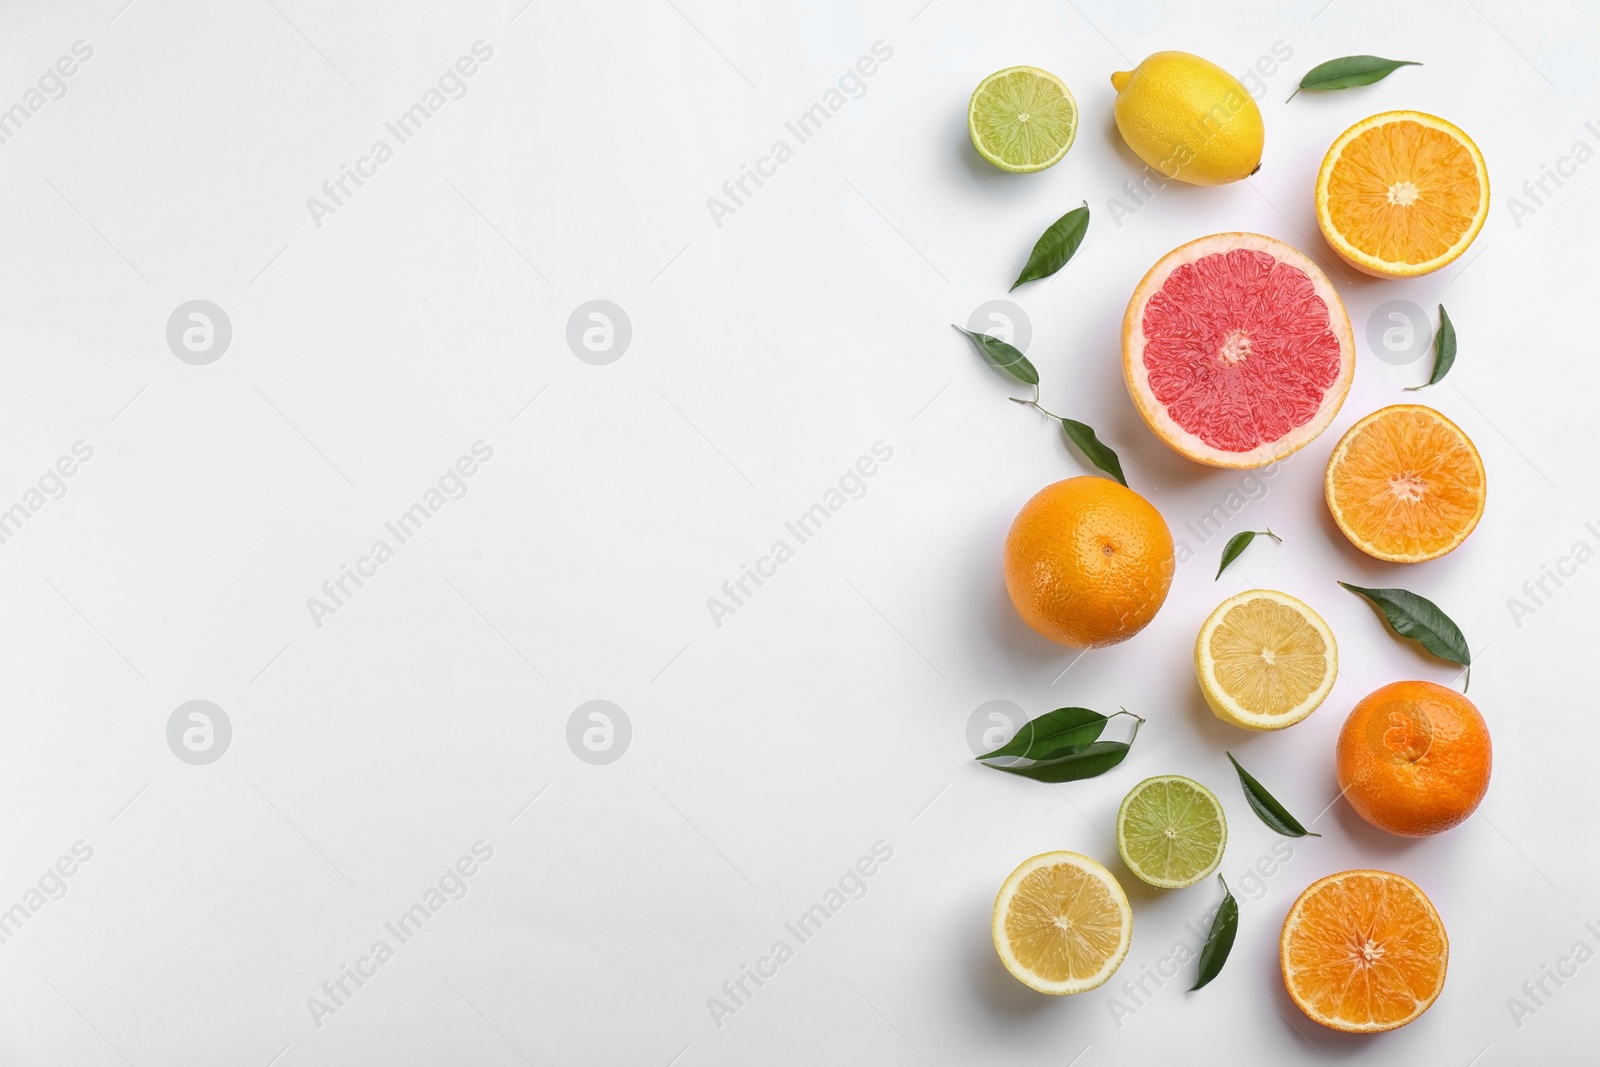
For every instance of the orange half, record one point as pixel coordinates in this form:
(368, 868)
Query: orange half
(1405, 484)
(1402, 194)
(1363, 951)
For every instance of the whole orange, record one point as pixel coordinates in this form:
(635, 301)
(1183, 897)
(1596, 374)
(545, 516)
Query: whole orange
(1088, 562)
(1414, 758)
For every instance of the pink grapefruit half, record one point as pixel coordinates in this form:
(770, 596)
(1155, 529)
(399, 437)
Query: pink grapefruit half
(1237, 350)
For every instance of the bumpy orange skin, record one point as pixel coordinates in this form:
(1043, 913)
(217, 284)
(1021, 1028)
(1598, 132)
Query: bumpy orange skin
(1088, 562)
(1414, 758)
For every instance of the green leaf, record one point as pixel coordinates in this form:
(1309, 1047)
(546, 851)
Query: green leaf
(1265, 805)
(1346, 71)
(1219, 942)
(1421, 620)
(1237, 544)
(1056, 246)
(1054, 734)
(1444, 351)
(1074, 760)
(1095, 760)
(1002, 355)
(1092, 447)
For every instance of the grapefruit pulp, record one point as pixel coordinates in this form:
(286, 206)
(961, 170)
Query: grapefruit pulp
(1237, 350)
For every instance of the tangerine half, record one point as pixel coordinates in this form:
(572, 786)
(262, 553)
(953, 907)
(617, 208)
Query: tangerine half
(1402, 194)
(1363, 951)
(1405, 484)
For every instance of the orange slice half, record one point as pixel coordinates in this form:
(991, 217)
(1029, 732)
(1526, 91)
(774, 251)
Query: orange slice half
(1402, 194)
(1363, 951)
(1405, 484)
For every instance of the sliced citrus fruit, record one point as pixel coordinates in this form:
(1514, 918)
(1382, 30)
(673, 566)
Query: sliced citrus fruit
(1265, 660)
(1022, 119)
(1237, 350)
(1062, 923)
(1405, 484)
(1402, 194)
(1363, 951)
(1171, 831)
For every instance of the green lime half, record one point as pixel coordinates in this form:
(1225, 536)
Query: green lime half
(1171, 831)
(1022, 119)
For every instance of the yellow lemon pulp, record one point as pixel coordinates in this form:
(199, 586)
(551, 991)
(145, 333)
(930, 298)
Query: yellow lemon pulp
(1062, 923)
(1265, 660)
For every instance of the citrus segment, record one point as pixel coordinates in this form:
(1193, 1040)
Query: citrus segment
(1062, 923)
(1171, 831)
(1402, 194)
(1088, 562)
(1265, 660)
(1022, 119)
(1363, 951)
(1237, 350)
(1414, 758)
(1405, 484)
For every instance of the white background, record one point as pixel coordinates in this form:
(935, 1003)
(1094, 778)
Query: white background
(768, 354)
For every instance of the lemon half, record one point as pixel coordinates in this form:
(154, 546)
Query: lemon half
(1062, 923)
(1265, 660)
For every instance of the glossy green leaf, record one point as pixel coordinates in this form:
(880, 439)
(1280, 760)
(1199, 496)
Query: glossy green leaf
(1266, 806)
(1064, 734)
(1056, 246)
(1095, 760)
(1444, 351)
(1095, 450)
(1054, 734)
(1420, 619)
(1237, 544)
(1219, 942)
(999, 354)
(1347, 71)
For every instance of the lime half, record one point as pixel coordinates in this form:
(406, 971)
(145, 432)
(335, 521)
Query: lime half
(1171, 831)
(1022, 119)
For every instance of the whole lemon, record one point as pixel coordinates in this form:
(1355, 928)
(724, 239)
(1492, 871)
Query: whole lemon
(1189, 119)
(1088, 562)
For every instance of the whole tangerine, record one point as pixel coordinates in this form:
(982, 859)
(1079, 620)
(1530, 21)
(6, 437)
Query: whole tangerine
(1414, 758)
(1088, 562)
